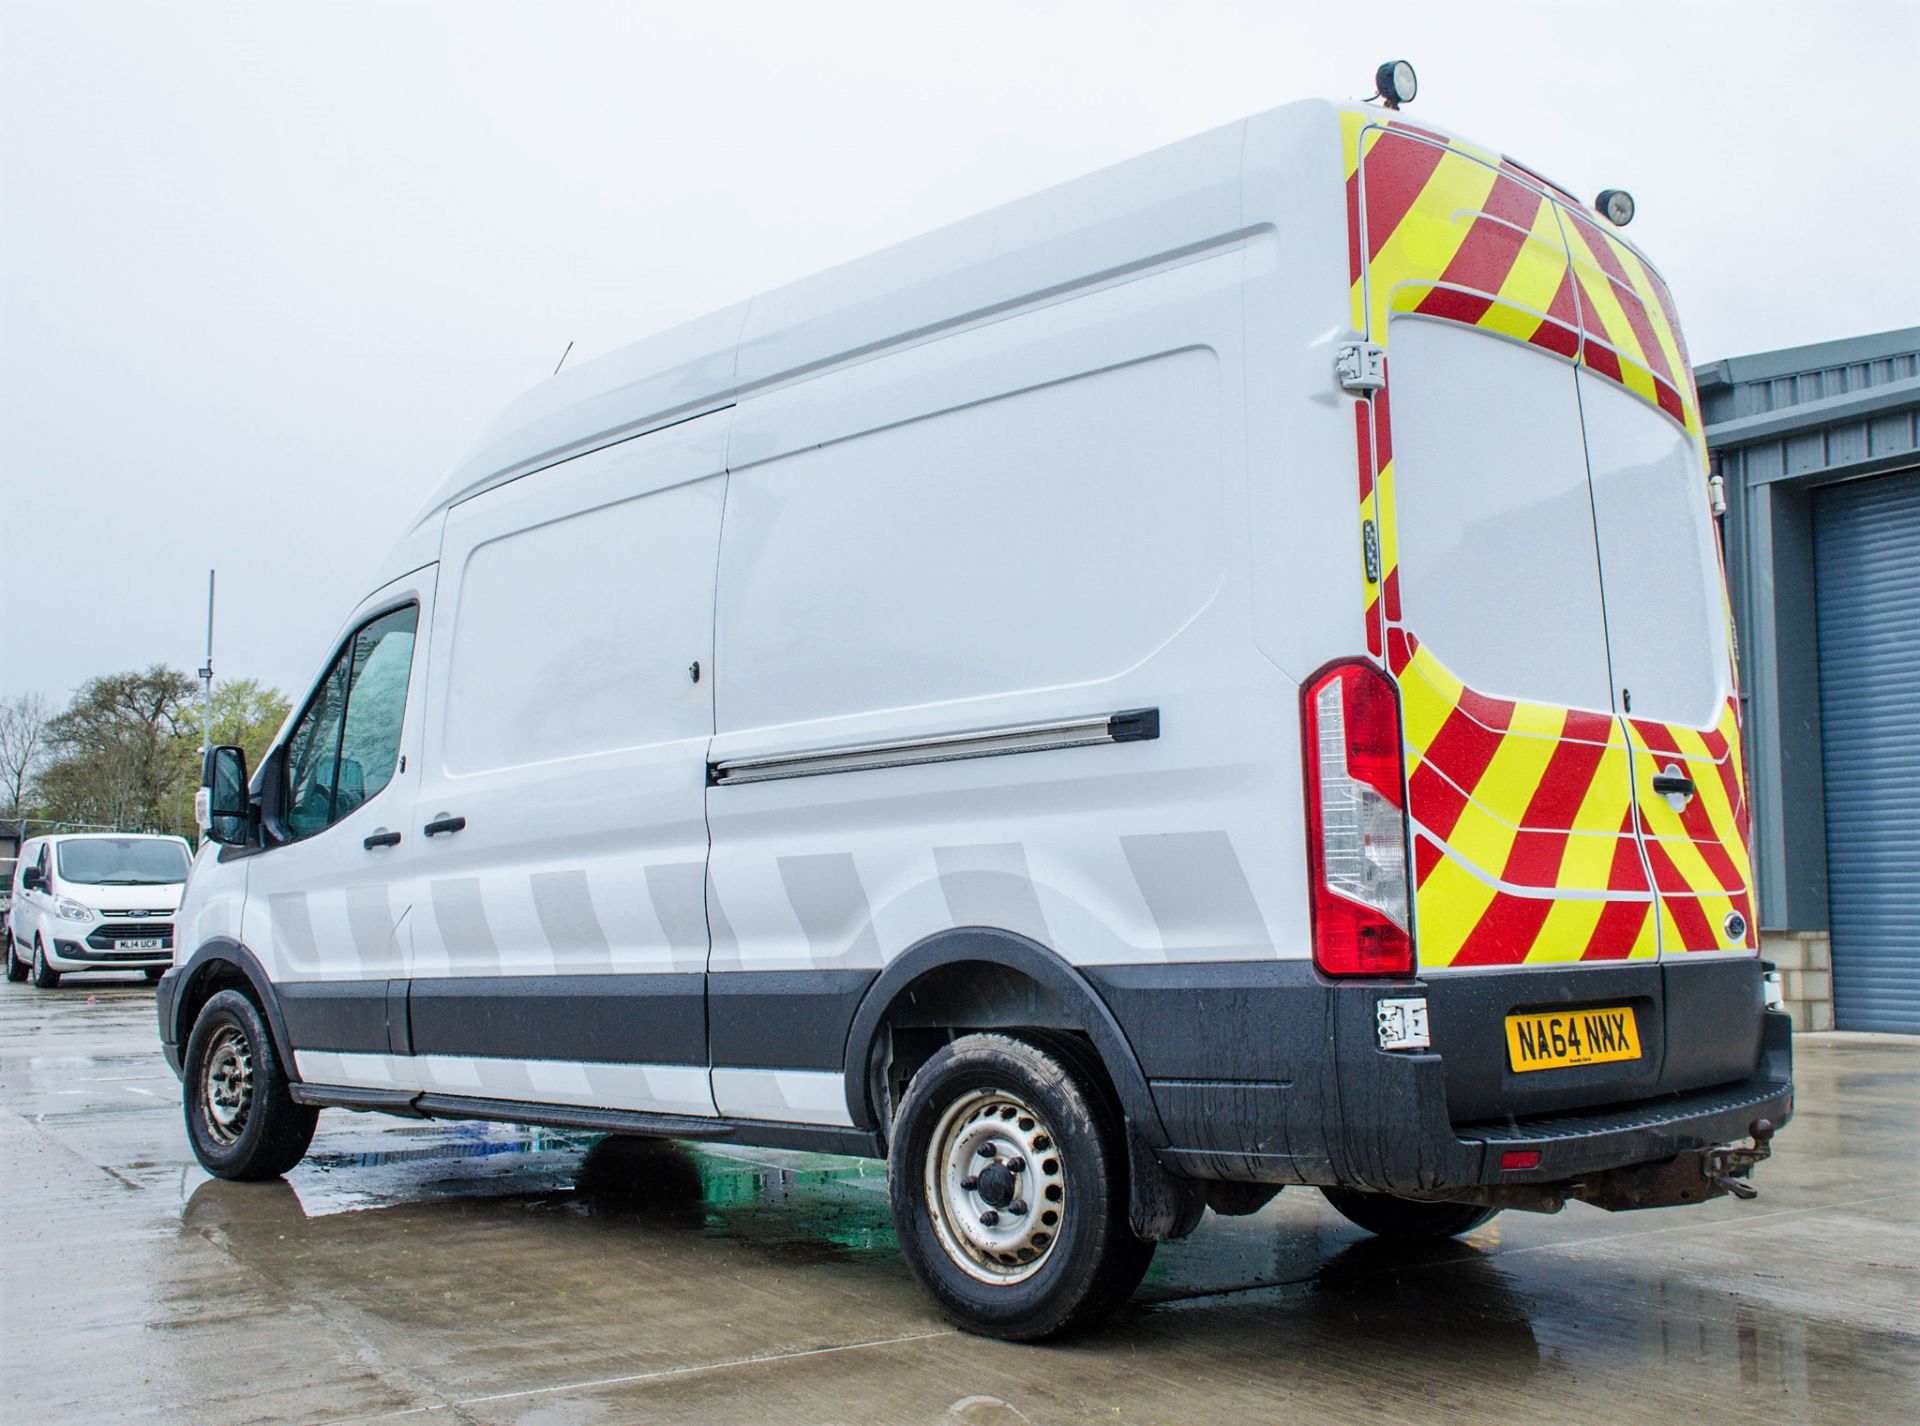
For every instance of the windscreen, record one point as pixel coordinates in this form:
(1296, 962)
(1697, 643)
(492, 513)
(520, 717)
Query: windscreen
(123, 861)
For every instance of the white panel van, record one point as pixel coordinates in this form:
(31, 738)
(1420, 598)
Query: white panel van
(1209, 678)
(94, 901)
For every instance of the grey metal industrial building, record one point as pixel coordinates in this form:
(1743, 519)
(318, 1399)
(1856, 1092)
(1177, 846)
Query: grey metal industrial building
(1820, 449)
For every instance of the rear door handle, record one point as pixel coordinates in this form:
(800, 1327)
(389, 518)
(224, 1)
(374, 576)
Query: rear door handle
(382, 839)
(1673, 784)
(454, 824)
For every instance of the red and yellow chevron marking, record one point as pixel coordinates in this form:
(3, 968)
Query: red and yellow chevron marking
(1523, 827)
(1449, 232)
(1698, 854)
(1525, 843)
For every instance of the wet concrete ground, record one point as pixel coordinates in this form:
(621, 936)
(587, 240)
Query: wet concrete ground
(482, 1273)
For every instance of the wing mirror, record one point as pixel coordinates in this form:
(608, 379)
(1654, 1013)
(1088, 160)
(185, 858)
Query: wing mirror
(32, 880)
(222, 806)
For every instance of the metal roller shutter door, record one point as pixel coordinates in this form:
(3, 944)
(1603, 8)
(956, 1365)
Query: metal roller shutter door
(1867, 577)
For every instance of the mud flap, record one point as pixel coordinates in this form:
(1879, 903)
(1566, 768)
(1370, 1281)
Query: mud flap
(1160, 1206)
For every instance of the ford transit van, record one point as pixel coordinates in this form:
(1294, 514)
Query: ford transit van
(1211, 678)
(94, 901)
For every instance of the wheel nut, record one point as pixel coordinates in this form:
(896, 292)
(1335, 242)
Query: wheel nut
(990, 1216)
(1018, 1207)
(969, 1183)
(989, 1149)
(1016, 1164)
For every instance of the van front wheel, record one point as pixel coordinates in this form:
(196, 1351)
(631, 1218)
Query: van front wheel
(1008, 1179)
(16, 968)
(241, 1121)
(1407, 1218)
(45, 977)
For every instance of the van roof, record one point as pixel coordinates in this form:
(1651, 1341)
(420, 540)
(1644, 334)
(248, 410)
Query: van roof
(1136, 213)
(1127, 215)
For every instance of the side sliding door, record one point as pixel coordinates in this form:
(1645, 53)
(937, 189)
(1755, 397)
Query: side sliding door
(561, 935)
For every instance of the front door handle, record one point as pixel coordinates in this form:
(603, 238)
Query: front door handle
(1673, 784)
(381, 839)
(454, 824)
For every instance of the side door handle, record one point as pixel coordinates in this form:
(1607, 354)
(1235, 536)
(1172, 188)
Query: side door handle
(381, 839)
(1673, 784)
(454, 824)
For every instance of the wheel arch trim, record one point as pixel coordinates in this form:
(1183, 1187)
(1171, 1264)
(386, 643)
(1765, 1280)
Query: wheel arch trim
(198, 965)
(1017, 953)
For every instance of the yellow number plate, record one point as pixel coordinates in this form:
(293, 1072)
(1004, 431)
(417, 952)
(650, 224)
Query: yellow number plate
(1572, 1037)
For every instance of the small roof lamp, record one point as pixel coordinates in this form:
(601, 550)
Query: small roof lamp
(1395, 83)
(1616, 206)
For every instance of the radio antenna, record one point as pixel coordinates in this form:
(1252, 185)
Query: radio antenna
(206, 678)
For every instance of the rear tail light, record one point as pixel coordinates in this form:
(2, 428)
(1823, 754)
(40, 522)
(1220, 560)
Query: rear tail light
(1356, 823)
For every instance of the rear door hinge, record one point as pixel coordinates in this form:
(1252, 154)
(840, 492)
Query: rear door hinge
(1361, 366)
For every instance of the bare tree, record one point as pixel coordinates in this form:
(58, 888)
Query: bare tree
(23, 749)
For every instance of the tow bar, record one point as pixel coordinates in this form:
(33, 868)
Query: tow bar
(1727, 1167)
(1691, 1177)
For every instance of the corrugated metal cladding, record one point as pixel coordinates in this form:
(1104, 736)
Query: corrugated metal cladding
(1820, 448)
(1867, 574)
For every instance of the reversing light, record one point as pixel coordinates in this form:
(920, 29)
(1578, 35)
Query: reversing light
(1395, 83)
(1616, 206)
(1356, 822)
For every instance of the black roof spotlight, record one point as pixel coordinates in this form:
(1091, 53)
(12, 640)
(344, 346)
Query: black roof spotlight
(1395, 83)
(1616, 206)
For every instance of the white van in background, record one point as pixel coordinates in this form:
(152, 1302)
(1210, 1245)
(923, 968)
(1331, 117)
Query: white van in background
(1024, 705)
(94, 901)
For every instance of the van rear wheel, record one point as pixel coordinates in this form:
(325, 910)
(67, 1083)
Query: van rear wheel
(1406, 1218)
(16, 968)
(241, 1121)
(1008, 1180)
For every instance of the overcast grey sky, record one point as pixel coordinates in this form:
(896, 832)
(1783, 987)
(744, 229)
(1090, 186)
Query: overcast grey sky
(267, 268)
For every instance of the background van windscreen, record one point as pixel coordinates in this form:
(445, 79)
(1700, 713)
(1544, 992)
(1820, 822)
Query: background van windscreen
(122, 861)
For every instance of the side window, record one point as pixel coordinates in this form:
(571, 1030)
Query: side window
(344, 748)
(376, 707)
(311, 750)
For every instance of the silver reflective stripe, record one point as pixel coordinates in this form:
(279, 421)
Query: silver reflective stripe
(1132, 726)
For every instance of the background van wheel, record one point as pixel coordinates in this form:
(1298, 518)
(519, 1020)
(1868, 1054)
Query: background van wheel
(1007, 1174)
(1389, 1217)
(45, 977)
(241, 1121)
(154, 973)
(16, 968)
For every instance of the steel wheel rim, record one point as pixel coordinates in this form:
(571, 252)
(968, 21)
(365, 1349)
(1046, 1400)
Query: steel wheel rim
(226, 1085)
(997, 1223)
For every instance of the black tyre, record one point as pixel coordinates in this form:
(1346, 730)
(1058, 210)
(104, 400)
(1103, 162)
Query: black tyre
(1007, 1175)
(154, 973)
(45, 977)
(1388, 1217)
(16, 968)
(240, 1119)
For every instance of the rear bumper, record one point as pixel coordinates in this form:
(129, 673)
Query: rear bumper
(1268, 1073)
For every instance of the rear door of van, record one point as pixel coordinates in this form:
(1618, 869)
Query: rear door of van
(1572, 722)
(1668, 627)
(1488, 604)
